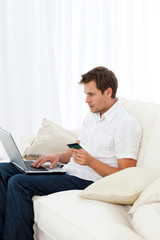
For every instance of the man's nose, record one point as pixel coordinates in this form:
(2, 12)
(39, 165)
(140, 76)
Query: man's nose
(87, 99)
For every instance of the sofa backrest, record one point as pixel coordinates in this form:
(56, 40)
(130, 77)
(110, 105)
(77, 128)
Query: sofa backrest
(148, 115)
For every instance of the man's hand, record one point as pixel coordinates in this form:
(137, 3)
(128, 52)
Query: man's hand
(81, 156)
(53, 159)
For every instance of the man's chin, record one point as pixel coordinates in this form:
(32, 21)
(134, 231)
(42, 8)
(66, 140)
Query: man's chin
(93, 110)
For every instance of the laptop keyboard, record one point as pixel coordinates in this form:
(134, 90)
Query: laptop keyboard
(29, 167)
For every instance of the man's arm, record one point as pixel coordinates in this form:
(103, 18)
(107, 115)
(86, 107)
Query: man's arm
(65, 156)
(103, 169)
(82, 157)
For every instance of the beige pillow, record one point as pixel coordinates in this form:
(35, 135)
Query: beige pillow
(122, 187)
(150, 194)
(51, 138)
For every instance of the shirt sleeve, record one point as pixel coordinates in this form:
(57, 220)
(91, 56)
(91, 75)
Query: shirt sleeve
(127, 139)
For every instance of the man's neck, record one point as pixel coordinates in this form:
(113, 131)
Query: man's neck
(112, 102)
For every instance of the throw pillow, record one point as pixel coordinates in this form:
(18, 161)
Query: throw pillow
(122, 187)
(150, 194)
(51, 138)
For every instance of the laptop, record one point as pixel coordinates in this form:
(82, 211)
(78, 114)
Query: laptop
(17, 160)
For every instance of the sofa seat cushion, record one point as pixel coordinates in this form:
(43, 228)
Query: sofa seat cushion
(64, 216)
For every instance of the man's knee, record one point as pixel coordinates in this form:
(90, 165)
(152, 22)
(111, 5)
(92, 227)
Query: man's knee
(4, 167)
(15, 181)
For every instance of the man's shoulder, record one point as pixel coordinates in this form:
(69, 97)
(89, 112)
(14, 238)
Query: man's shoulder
(130, 122)
(123, 114)
(125, 118)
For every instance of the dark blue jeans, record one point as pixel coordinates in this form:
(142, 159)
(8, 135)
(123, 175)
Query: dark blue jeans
(16, 192)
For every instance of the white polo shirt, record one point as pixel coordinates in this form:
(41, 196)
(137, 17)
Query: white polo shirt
(114, 135)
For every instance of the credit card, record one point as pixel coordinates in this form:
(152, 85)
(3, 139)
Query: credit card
(74, 145)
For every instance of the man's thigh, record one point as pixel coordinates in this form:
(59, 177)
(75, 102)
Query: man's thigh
(40, 185)
(7, 171)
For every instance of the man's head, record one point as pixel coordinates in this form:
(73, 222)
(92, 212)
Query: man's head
(104, 79)
(100, 86)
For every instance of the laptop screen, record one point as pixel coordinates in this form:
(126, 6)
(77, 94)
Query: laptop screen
(11, 148)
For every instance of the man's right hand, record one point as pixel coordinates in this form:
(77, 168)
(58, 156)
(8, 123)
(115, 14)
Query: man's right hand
(53, 159)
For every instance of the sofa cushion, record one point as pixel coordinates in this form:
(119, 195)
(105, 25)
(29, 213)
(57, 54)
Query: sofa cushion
(146, 221)
(150, 194)
(64, 216)
(122, 187)
(148, 115)
(51, 138)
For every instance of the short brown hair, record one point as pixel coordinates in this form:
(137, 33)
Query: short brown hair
(103, 77)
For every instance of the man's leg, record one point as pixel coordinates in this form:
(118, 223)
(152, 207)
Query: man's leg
(19, 207)
(6, 171)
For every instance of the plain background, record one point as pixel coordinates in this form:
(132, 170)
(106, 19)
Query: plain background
(45, 46)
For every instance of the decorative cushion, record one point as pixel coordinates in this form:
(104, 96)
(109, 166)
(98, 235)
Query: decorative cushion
(122, 187)
(150, 194)
(51, 138)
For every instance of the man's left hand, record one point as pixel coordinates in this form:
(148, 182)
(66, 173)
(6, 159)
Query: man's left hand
(81, 156)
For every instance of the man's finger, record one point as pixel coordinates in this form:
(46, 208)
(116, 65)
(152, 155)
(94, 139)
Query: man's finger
(41, 162)
(76, 150)
(36, 162)
(52, 165)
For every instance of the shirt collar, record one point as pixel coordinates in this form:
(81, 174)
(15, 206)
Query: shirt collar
(109, 114)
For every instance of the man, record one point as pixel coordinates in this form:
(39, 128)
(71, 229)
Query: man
(110, 140)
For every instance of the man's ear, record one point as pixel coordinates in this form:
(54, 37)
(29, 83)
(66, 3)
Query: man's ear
(108, 92)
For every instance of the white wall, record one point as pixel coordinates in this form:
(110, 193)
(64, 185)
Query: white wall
(45, 45)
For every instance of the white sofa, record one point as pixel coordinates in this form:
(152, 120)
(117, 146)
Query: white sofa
(66, 216)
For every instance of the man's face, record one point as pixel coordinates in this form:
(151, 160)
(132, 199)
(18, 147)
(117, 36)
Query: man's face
(97, 102)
